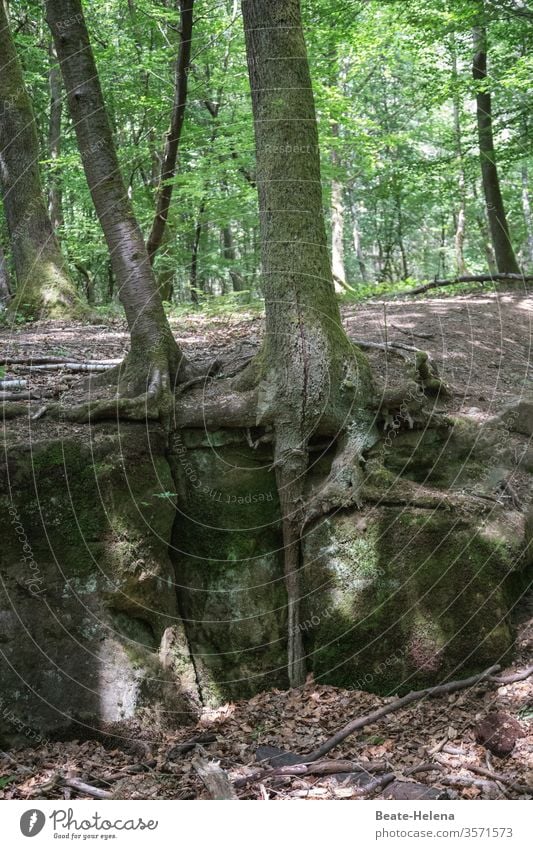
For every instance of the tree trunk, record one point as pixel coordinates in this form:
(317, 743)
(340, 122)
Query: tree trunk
(356, 237)
(44, 287)
(155, 360)
(55, 203)
(337, 223)
(307, 357)
(483, 227)
(193, 278)
(230, 257)
(499, 228)
(460, 228)
(528, 219)
(168, 166)
(5, 286)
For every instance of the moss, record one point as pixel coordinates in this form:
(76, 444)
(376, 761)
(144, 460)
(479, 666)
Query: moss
(414, 596)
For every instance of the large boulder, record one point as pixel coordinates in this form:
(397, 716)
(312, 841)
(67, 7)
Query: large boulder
(87, 590)
(227, 549)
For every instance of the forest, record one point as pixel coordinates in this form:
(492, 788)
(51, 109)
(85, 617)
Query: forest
(265, 330)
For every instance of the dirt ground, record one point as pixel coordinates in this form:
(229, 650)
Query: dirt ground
(482, 346)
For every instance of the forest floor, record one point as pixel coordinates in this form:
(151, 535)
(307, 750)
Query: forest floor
(482, 346)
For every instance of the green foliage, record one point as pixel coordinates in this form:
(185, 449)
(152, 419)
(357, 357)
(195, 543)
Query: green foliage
(384, 87)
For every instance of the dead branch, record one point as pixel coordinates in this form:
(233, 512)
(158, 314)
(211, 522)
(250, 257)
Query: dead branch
(70, 366)
(468, 278)
(412, 332)
(45, 361)
(88, 789)
(393, 347)
(13, 384)
(329, 767)
(215, 779)
(182, 748)
(416, 695)
(19, 396)
(515, 676)
(497, 776)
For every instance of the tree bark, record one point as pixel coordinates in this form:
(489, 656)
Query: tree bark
(168, 165)
(306, 356)
(499, 228)
(44, 287)
(155, 360)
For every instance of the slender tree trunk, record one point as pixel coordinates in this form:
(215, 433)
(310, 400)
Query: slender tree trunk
(5, 285)
(198, 229)
(155, 360)
(230, 257)
(55, 201)
(460, 228)
(168, 166)
(306, 356)
(44, 287)
(403, 253)
(499, 228)
(356, 237)
(337, 222)
(483, 227)
(526, 209)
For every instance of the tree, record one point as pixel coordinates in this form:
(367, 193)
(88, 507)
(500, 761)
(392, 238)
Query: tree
(168, 165)
(499, 228)
(155, 362)
(44, 287)
(312, 379)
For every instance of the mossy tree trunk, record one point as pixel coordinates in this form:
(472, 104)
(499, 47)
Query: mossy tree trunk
(311, 376)
(499, 227)
(155, 361)
(44, 287)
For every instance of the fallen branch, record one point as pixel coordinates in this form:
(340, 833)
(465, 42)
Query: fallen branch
(19, 396)
(88, 789)
(416, 695)
(413, 333)
(70, 366)
(44, 361)
(329, 767)
(497, 776)
(395, 347)
(469, 278)
(13, 384)
(515, 676)
(182, 748)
